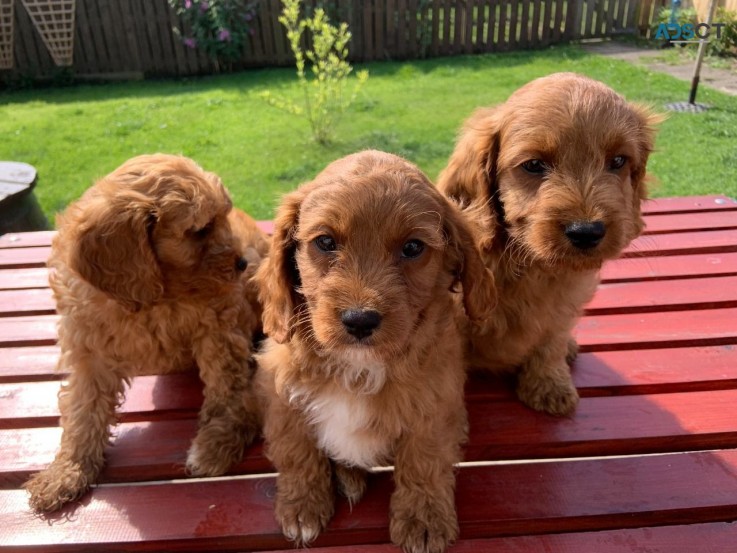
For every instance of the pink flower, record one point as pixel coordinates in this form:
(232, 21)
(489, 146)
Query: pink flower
(190, 42)
(187, 4)
(204, 6)
(224, 35)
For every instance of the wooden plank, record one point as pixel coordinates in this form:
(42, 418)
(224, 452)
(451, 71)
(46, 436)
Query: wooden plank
(503, 40)
(459, 14)
(469, 21)
(627, 297)
(495, 501)
(648, 371)
(684, 222)
(170, 396)
(558, 23)
(717, 537)
(714, 241)
(513, 25)
(491, 33)
(663, 268)
(669, 295)
(481, 17)
(500, 430)
(435, 43)
(38, 330)
(28, 364)
(524, 32)
(652, 330)
(689, 203)
(15, 303)
(18, 279)
(621, 331)
(139, 451)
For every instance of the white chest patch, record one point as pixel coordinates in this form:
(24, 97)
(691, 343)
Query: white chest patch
(342, 423)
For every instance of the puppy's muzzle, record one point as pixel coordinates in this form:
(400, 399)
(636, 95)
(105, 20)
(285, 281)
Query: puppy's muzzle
(585, 235)
(241, 264)
(360, 323)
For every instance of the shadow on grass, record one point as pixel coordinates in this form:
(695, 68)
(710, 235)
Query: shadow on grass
(275, 78)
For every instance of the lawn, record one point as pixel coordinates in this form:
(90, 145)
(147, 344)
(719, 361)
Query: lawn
(75, 135)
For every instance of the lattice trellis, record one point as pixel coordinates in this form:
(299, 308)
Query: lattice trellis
(6, 34)
(54, 20)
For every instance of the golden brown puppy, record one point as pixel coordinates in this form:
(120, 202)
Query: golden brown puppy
(150, 271)
(552, 180)
(364, 365)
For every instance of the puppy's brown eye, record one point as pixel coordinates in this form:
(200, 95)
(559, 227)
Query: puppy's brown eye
(535, 166)
(325, 243)
(205, 231)
(412, 249)
(617, 162)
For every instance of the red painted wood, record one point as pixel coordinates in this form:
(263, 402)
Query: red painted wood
(656, 370)
(23, 258)
(705, 293)
(15, 303)
(713, 241)
(596, 333)
(648, 330)
(28, 364)
(18, 279)
(492, 501)
(626, 425)
(669, 295)
(140, 451)
(665, 268)
(716, 537)
(44, 237)
(35, 330)
(682, 222)
(150, 397)
(27, 239)
(688, 203)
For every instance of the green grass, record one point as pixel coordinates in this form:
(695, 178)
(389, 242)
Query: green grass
(75, 135)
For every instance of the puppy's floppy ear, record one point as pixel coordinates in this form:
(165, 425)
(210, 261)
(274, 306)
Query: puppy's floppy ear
(277, 276)
(479, 291)
(647, 129)
(471, 172)
(113, 249)
(647, 122)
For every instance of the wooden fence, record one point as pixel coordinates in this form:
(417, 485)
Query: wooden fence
(134, 38)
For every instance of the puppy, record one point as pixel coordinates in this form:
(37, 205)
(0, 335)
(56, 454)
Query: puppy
(552, 181)
(150, 270)
(364, 361)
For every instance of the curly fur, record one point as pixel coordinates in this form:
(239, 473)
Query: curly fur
(576, 127)
(336, 405)
(149, 277)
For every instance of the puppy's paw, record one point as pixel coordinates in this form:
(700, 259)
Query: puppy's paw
(572, 352)
(426, 529)
(303, 520)
(59, 484)
(556, 396)
(351, 482)
(215, 449)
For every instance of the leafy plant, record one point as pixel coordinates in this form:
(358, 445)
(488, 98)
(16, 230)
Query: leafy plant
(219, 27)
(325, 97)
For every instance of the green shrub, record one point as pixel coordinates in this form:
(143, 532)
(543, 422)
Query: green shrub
(219, 27)
(325, 97)
(724, 45)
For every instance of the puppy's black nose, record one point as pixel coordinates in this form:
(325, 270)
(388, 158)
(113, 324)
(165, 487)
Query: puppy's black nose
(585, 234)
(360, 322)
(241, 264)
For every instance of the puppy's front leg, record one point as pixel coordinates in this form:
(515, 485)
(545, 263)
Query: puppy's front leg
(228, 419)
(544, 382)
(423, 515)
(87, 404)
(304, 497)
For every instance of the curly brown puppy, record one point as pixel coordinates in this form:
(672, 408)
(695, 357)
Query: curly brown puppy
(150, 270)
(365, 361)
(552, 180)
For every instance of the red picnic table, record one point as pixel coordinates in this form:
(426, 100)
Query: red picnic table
(648, 462)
